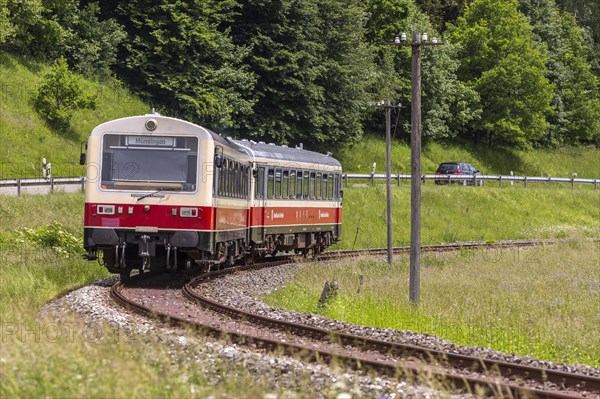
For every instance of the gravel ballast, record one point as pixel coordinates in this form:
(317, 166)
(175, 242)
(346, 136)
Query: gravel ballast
(94, 305)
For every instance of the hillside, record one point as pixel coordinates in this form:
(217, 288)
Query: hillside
(26, 138)
(585, 161)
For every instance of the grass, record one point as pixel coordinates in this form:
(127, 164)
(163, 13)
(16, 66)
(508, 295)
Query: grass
(458, 213)
(43, 357)
(540, 302)
(31, 275)
(561, 162)
(26, 138)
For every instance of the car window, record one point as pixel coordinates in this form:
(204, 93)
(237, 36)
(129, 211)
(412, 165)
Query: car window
(445, 167)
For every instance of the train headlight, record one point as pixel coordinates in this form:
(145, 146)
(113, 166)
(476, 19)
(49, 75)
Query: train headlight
(151, 124)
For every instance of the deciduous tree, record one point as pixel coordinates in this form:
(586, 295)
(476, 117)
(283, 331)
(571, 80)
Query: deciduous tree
(500, 60)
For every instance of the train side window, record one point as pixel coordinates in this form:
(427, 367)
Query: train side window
(292, 184)
(285, 184)
(325, 186)
(278, 181)
(299, 184)
(259, 184)
(245, 181)
(306, 184)
(336, 186)
(231, 178)
(228, 190)
(270, 183)
(318, 183)
(225, 178)
(236, 180)
(239, 179)
(311, 190)
(330, 189)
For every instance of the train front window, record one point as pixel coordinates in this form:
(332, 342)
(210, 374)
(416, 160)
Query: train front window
(132, 162)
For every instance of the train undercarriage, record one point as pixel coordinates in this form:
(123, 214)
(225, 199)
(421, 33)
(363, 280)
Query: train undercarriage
(123, 252)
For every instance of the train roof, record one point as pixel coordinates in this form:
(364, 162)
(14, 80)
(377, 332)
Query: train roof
(285, 153)
(258, 150)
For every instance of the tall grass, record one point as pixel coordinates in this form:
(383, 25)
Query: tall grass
(540, 302)
(457, 213)
(490, 160)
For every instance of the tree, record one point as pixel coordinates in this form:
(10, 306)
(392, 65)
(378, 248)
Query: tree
(91, 46)
(49, 29)
(587, 14)
(60, 94)
(576, 117)
(311, 66)
(448, 105)
(508, 70)
(6, 27)
(179, 58)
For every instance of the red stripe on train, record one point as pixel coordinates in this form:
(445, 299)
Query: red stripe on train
(171, 217)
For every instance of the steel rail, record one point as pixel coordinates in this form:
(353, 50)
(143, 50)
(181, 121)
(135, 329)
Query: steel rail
(493, 386)
(497, 371)
(471, 363)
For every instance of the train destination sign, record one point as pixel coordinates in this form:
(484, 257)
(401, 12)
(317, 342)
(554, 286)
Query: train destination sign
(151, 141)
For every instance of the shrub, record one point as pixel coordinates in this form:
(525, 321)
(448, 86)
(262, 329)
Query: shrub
(52, 236)
(60, 95)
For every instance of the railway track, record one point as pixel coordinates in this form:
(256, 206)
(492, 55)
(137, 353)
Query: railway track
(465, 373)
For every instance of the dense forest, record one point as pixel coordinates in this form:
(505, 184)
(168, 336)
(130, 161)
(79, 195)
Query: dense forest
(516, 72)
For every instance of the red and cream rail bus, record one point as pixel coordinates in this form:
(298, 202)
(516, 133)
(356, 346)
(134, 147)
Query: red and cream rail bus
(165, 194)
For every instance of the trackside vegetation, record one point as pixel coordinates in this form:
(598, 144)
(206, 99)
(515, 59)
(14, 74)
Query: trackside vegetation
(27, 137)
(497, 160)
(540, 302)
(458, 213)
(39, 230)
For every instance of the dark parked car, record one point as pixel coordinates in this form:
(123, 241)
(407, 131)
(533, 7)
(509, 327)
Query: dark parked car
(458, 168)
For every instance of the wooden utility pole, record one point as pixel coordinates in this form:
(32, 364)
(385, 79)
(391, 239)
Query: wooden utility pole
(415, 152)
(388, 178)
(415, 171)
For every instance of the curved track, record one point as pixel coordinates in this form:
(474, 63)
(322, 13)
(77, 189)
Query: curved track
(466, 373)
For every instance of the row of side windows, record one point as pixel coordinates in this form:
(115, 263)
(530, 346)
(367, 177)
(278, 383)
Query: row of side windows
(232, 180)
(297, 184)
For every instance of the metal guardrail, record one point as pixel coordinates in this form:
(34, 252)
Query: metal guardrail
(77, 183)
(476, 180)
(41, 185)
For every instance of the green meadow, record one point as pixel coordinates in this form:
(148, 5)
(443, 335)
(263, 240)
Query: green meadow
(540, 302)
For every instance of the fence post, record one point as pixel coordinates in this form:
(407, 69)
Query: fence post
(398, 176)
(18, 187)
(82, 184)
(595, 184)
(572, 182)
(52, 185)
(346, 179)
(500, 180)
(525, 181)
(372, 179)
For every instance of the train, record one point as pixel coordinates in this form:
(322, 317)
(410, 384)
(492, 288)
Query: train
(164, 194)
